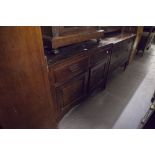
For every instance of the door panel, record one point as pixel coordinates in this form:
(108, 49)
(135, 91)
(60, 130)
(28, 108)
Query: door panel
(98, 75)
(120, 53)
(72, 91)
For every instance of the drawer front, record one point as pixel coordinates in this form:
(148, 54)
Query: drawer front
(69, 69)
(100, 55)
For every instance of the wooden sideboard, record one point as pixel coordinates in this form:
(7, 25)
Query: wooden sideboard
(81, 69)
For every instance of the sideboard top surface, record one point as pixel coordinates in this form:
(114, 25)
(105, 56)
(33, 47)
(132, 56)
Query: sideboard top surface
(84, 48)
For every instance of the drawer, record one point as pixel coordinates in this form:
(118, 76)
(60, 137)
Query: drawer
(100, 55)
(70, 68)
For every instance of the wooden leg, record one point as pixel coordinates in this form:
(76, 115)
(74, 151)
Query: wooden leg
(137, 52)
(125, 65)
(142, 53)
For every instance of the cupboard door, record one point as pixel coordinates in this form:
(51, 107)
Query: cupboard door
(71, 92)
(98, 75)
(127, 48)
(120, 53)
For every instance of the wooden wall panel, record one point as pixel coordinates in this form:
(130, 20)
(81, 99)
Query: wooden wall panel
(25, 100)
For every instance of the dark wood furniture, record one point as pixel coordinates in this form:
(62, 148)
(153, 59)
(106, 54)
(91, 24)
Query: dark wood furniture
(149, 119)
(150, 124)
(146, 39)
(69, 80)
(81, 69)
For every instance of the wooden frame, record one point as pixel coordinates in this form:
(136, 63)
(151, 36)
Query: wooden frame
(63, 31)
(60, 36)
(75, 38)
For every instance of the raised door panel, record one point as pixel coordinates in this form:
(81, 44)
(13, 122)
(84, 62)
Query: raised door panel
(120, 49)
(100, 55)
(128, 48)
(98, 75)
(71, 92)
(120, 53)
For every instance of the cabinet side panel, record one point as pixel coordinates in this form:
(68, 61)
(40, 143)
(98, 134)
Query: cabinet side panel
(25, 100)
